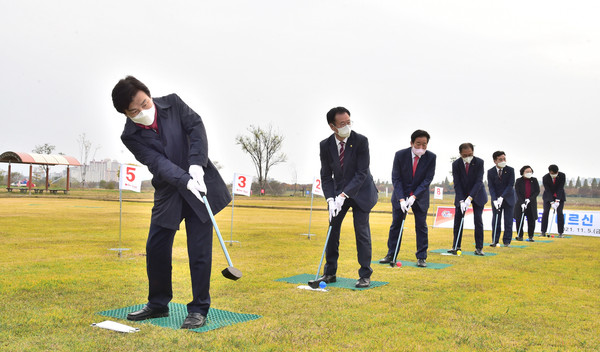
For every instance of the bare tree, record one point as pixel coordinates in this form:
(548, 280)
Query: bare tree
(45, 148)
(85, 147)
(264, 147)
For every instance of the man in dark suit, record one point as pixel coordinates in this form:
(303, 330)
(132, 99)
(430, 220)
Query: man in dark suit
(467, 175)
(554, 197)
(169, 138)
(501, 181)
(527, 189)
(347, 183)
(412, 173)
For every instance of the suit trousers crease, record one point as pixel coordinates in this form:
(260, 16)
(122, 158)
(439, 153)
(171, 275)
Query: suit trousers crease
(478, 222)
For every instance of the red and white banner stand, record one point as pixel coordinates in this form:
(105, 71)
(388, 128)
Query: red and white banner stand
(318, 190)
(242, 184)
(128, 180)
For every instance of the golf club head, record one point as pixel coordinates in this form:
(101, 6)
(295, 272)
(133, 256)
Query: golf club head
(232, 273)
(314, 283)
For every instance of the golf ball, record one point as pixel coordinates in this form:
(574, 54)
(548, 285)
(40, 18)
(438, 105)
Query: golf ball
(497, 244)
(399, 264)
(322, 284)
(458, 252)
(552, 236)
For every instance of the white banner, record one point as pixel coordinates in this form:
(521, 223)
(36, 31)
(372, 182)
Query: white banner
(577, 222)
(438, 193)
(128, 178)
(242, 184)
(317, 187)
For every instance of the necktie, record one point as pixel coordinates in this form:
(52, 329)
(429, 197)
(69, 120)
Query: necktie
(415, 162)
(342, 154)
(467, 168)
(500, 173)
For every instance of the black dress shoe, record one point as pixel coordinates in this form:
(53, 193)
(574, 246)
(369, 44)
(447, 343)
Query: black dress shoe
(560, 235)
(518, 238)
(421, 263)
(327, 279)
(531, 239)
(363, 282)
(148, 313)
(193, 321)
(493, 244)
(386, 260)
(478, 251)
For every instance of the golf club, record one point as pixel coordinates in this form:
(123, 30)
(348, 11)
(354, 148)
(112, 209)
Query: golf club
(552, 222)
(459, 235)
(521, 225)
(315, 283)
(494, 232)
(230, 272)
(394, 261)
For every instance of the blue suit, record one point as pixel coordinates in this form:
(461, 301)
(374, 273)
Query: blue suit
(355, 180)
(465, 185)
(405, 185)
(179, 142)
(502, 187)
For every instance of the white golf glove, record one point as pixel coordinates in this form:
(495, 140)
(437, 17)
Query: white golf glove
(467, 202)
(523, 206)
(197, 173)
(500, 200)
(554, 205)
(404, 205)
(339, 202)
(527, 202)
(332, 208)
(195, 188)
(411, 200)
(463, 206)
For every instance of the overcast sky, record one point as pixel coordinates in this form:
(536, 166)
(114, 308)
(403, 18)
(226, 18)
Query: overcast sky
(519, 76)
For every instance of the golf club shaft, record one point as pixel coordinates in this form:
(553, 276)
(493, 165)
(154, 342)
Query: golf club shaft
(323, 255)
(495, 226)
(459, 235)
(212, 218)
(521, 225)
(552, 222)
(399, 237)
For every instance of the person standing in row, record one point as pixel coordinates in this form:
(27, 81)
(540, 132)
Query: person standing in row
(501, 180)
(347, 183)
(467, 175)
(554, 197)
(412, 173)
(527, 189)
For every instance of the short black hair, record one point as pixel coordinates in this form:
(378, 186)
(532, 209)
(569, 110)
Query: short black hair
(497, 154)
(419, 133)
(466, 146)
(333, 112)
(525, 168)
(553, 168)
(125, 90)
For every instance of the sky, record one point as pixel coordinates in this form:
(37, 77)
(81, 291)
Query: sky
(517, 76)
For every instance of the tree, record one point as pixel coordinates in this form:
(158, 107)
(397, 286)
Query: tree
(85, 147)
(578, 183)
(42, 149)
(263, 146)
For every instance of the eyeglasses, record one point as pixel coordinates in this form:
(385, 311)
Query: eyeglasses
(134, 112)
(345, 123)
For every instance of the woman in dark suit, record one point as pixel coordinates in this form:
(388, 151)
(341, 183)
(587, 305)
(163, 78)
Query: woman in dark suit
(527, 189)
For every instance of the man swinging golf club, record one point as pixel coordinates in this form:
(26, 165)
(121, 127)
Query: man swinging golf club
(347, 183)
(169, 138)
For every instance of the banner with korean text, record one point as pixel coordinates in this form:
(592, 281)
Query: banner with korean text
(577, 222)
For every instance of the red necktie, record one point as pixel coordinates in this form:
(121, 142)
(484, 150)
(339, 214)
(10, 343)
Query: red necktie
(467, 168)
(500, 173)
(342, 154)
(415, 162)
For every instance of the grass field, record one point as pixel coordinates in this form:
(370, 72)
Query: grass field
(56, 272)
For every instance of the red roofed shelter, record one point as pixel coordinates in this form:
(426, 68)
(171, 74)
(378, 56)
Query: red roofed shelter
(37, 159)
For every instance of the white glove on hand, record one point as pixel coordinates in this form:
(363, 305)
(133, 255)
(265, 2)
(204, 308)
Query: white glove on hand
(332, 208)
(527, 202)
(197, 173)
(339, 201)
(404, 205)
(195, 188)
(554, 205)
(523, 206)
(411, 200)
(463, 206)
(467, 202)
(500, 200)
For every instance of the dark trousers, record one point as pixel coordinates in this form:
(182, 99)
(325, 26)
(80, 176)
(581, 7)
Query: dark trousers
(531, 215)
(478, 221)
(560, 217)
(505, 212)
(159, 250)
(362, 233)
(420, 228)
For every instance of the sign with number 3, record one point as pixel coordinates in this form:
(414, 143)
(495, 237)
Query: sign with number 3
(242, 184)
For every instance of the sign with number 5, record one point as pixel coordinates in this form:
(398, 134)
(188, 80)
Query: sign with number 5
(242, 184)
(317, 187)
(128, 178)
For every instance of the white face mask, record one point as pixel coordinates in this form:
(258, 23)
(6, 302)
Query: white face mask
(467, 159)
(418, 152)
(344, 131)
(145, 117)
(528, 174)
(553, 175)
(502, 164)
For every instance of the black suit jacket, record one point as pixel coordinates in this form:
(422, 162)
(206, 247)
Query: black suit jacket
(551, 188)
(180, 142)
(520, 191)
(469, 184)
(502, 187)
(404, 182)
(355, 178)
